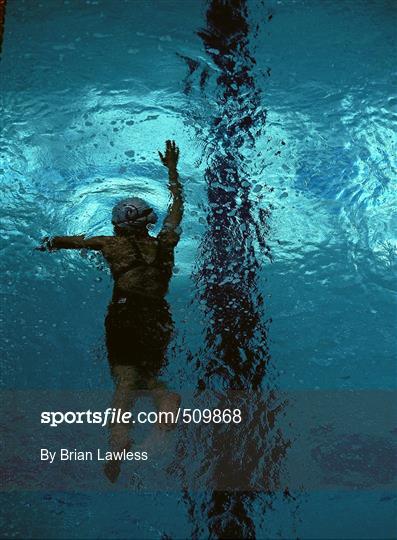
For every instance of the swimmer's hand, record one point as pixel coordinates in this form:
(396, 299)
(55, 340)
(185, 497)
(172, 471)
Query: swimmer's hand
(45, 244)
(171, 155)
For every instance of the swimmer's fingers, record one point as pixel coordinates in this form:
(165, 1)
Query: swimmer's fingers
(162, 158)
(171, 155)
(174, 151)
(45, 244)
(165, 158)
(174, 148)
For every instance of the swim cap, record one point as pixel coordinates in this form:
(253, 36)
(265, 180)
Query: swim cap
(133, 212)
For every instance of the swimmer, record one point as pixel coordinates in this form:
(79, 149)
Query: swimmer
(138, 322)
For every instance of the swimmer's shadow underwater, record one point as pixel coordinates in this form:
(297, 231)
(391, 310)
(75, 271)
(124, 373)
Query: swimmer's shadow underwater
(138, 322)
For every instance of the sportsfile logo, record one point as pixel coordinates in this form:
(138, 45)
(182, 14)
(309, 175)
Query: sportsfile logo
(118, 416)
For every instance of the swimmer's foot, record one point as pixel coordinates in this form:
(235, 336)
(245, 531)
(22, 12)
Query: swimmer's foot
(112, 467)
(167, 402)
(112, 470)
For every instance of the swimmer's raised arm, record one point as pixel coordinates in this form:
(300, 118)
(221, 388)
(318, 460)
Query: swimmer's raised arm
(170, 231)
(72, 242)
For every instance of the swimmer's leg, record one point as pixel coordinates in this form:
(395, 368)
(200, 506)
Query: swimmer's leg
(124, 397)
(165, 401)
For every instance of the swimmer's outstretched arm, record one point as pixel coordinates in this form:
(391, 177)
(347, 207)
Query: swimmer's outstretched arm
(171, 228)
(72, 242)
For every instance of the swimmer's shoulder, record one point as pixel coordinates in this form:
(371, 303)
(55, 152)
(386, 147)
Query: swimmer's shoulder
(114, 242)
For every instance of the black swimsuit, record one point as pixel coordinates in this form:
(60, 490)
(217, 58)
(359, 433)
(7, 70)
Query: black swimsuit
(139, 326)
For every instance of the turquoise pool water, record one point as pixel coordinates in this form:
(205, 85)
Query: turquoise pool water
(285, 276)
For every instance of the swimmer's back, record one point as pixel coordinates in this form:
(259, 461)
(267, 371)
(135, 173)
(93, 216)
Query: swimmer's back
(141, 268)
